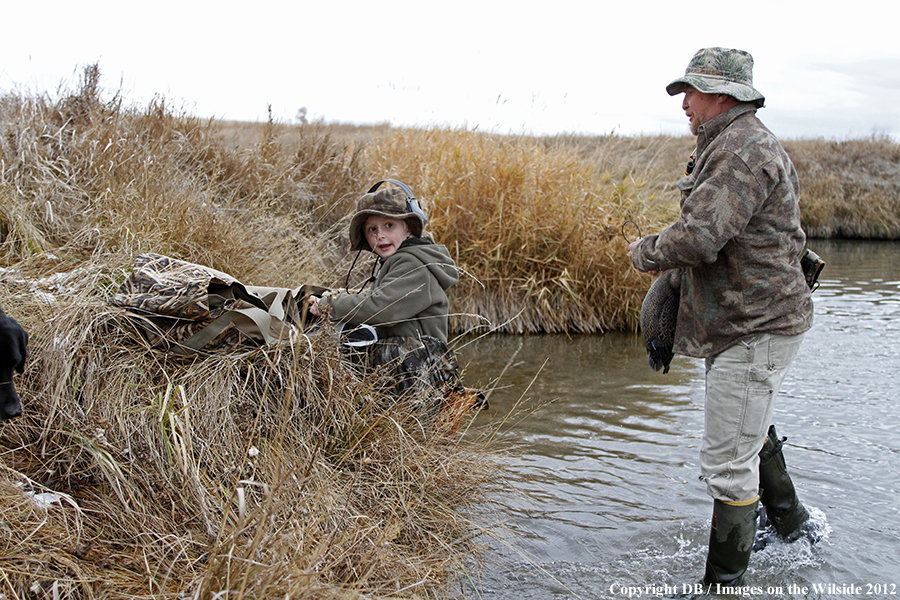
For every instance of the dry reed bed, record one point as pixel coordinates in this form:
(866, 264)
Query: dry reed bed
(85, 177)
(254, 474)
(536, 230)
(851, 188)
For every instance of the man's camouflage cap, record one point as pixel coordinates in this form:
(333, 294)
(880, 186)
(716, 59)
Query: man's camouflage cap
(720, 71)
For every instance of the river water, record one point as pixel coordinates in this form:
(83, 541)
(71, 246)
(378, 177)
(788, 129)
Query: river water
(604, 465)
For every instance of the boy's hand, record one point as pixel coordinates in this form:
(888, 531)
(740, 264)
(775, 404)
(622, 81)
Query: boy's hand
(314, 307)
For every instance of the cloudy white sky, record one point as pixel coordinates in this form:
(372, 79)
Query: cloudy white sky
(827, 69)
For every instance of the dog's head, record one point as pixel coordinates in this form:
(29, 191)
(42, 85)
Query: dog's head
(13, 352)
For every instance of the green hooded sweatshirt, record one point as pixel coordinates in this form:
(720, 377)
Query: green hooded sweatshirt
(408, 298)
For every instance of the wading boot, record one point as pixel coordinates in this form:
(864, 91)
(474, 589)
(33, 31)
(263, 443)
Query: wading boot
(783, 509)
(730, 544)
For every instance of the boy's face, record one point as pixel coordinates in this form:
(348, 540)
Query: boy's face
(384, 234)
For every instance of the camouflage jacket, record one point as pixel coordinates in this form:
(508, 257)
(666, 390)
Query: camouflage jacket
(737, 240)
(408, 298)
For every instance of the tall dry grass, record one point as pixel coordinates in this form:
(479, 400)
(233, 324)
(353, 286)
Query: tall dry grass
(537, 230)
(851, 188)
(86, 176)
(259, 473)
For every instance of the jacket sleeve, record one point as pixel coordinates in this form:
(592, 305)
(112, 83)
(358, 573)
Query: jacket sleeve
(716, 207)
(401, 293)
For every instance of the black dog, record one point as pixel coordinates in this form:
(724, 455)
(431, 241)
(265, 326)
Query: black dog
(13, 351)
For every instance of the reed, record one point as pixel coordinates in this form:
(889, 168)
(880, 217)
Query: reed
(87, 176)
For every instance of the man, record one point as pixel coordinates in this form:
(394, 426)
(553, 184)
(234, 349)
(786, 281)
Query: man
(744, 301)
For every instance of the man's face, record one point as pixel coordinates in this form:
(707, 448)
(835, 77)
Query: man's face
(700, 107)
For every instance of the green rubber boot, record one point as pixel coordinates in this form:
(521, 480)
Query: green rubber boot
(730, 542)
(783, 509)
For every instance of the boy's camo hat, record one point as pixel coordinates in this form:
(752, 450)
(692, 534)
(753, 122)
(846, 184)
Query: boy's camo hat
(720, 71)
(387, 202)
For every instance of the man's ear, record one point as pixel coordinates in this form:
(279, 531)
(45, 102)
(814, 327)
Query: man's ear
(726, 101)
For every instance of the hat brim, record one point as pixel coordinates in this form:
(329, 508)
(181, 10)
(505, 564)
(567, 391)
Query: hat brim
(709, 84)
(358, 240)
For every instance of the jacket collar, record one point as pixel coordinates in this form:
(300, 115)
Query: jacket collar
(715, 126)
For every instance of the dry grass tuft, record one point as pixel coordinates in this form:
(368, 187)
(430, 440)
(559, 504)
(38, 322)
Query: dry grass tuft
(272, 472)
(85, 176)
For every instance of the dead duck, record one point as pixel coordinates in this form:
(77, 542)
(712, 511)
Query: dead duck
(659, 315)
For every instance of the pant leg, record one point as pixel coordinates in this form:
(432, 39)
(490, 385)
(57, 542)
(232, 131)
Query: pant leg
(741, 385)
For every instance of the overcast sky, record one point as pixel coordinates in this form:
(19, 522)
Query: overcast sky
(827, 69)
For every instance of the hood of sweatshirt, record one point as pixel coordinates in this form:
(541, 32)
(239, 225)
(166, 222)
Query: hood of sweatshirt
(436, 258)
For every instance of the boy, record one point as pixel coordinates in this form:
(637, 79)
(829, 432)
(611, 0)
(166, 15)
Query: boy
(407, 305)
(408, 298)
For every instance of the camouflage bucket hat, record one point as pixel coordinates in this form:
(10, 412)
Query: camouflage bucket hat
(388, 202)
(720, 71)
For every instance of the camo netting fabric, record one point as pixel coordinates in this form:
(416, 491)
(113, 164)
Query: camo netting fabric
(171, 301)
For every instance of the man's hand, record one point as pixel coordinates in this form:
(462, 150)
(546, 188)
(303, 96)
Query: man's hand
(631, 247)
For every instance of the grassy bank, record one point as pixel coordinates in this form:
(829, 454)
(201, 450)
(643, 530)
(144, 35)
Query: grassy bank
(536, 222)
(254, 473)
(245, 474)
(273, 472)
(851, 188)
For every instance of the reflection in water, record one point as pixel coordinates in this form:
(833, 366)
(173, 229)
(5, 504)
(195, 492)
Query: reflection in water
(607, 449)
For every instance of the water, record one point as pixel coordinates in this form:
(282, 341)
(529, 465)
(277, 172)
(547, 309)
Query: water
(606, 466)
